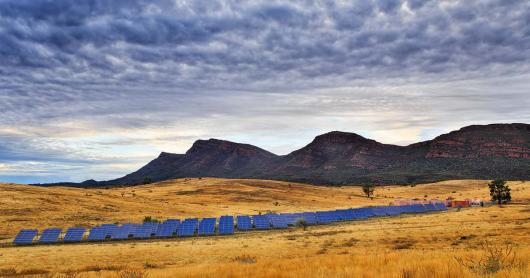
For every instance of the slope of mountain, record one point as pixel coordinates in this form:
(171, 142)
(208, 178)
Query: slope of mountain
(473, 152)
(215, 158)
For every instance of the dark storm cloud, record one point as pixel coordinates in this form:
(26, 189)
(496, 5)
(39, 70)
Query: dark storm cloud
(77, 77)
(201, 44)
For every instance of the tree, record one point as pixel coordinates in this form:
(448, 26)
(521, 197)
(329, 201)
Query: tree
(147, 180)
(499, 192)
(368, 190)
(300, 222)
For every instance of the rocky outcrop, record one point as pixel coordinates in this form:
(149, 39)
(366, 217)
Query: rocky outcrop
(510, 141)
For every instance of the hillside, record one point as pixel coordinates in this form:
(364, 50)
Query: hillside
(381, 247)
(33, 206)
(473, 152)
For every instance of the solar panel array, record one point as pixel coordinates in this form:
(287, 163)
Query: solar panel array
(50, 235)
(74, 234)
(25, 237)
(244, 223)
(207, 226)
(261, 222)
(167, 228)
(188, 227)
(226, 225)
(277, 221)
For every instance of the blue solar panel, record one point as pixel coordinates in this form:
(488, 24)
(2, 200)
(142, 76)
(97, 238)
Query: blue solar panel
(261, 222)
(109, 229)
(97, 233)
(309, 217)
(226, 225)
(25, 237)
(207, 226)
(379, 211)
(244, 223)
(430, 207)
(50, 235)
(392, 210)
(188, 227)
(167, 228)
(291, 218)
(362, 213)
(152, 226)
(123, 231)
(277, 221)
(419, 208)
(74, 234)
(101, 232)
(143, 231)
(441, 206)
(345, 214)
(327, 217)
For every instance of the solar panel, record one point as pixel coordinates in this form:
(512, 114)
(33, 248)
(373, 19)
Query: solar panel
(378, 211)
(167, 228)
(441, 206)
(278, 221)
(108, 229)
(74, 234)
(143, 231)
(430, 207)
(418, 208)
(327, 217)
(96, 233)
(363, 213)
(291, 218)
(207, 226)
(50, 235)
(188, 227)
(309, 217)
(25, 236)
(244, 223)
(226, 225)
(345, 214)
(261, 222)
(392, 210)
(408, 209)
(123, 231)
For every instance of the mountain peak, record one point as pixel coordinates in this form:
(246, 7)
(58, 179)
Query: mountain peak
(339, 137)
(221, 145)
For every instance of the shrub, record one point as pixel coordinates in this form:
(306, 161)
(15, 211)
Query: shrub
(132, 273)
(245, 259)
(300, 222)
(150, 219)
(368, 190)
(494, 259)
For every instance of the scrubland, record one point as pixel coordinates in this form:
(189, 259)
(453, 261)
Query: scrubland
(426, 245)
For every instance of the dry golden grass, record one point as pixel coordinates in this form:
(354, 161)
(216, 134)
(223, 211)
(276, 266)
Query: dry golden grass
(405, 246)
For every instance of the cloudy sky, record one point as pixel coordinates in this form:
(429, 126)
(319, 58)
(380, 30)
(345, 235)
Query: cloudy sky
(95, 89)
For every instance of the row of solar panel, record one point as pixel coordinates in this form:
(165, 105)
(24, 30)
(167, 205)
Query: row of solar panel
(207, 226)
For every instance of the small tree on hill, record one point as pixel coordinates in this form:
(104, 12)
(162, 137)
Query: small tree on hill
(499, 192)
(368, 190)
(147, 180)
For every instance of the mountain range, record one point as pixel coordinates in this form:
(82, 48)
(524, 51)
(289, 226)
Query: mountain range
(335, 158)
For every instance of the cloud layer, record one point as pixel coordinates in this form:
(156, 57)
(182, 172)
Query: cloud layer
(96, 88)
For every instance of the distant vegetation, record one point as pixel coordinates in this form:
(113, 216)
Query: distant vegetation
(500, 192)
(150, 219)
(368, 190)
(147, 180)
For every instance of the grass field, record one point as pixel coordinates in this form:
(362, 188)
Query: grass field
(406, 246)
